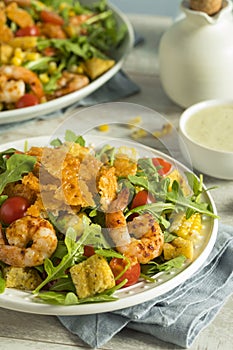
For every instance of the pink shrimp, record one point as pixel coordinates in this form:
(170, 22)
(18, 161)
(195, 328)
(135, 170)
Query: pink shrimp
(70, 82)
(142, 238)
(15, 75)
(36, 231)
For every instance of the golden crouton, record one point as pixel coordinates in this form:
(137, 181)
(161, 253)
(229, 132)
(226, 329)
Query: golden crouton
(179, 246)
(23, 278)
(92, 276)
(95, 66)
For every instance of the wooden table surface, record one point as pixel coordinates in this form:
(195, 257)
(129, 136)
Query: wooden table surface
(28, 331)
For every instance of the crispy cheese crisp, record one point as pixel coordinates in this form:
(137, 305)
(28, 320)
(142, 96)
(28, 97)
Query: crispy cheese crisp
(124, 166)
(107, 185)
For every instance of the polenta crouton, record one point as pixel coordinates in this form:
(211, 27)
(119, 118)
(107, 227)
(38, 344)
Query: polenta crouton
(23, 278)
(92, 276)
(179, 246)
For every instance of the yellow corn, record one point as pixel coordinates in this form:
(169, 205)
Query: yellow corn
(43, 99)
(63, 5)
(32, 56)
(19, 53)
(52, 67)
(16, 61)
(138, 134)
(103, 127)
(135, 122)
(44, 78)
(187, 228)
(71, 13)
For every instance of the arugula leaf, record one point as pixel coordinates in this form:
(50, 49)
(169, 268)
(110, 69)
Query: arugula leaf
(153, 267)
(2, 283)
(2, 199)
(74, 251)
(70, 136)
(16, 166)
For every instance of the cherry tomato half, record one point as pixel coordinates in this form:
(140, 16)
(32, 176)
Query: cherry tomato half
(51, 17)
(13, 208)
(117, 265)
(166, 166)
(28, 31)
(88, 251)
(142, 198)
(27, 100)
(49, 51)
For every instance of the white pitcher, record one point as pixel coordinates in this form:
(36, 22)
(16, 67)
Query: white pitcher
(196, 56)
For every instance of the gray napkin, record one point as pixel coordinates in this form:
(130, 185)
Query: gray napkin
(177, 316)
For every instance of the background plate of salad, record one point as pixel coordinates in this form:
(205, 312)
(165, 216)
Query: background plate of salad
(156, 174)
(55, 53)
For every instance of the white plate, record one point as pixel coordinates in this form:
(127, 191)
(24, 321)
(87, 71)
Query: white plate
(119, 55)
(136, 294)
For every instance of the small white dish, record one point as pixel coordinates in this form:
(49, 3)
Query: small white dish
(206, 131)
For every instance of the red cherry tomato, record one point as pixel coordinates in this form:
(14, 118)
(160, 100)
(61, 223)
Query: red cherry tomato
(166, 166)
(27, 100)
(142, 198)
(13, 208)
(49, 51)
(132, 274)
(88, 251)
(51, 17)
(28, 31)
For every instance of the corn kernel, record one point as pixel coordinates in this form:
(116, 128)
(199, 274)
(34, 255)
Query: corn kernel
(79, 70)
(137, 134)
(135, 122)
(44, 78)
(63, 6)
(43, 99)
(71, 13)
(32, 56)
(103, 127)
(16, 61)
(187, 228)
(52, 67)
(19, 53)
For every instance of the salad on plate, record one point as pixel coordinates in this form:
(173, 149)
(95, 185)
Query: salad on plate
(50, 49)
(79, 223)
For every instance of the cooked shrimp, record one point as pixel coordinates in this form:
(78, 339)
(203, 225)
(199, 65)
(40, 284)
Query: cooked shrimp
(70, 82)
(30, 241)
(23, 3)
(11, 91)
(147, 241)
(24, 76)
(115, 220)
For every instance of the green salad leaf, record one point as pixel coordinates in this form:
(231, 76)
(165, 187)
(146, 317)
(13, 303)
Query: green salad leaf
(16, 166)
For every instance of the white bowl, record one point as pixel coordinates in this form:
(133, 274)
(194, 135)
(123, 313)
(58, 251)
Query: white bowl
(206, 131)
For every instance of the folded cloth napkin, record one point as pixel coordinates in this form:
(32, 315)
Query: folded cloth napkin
(177, 316)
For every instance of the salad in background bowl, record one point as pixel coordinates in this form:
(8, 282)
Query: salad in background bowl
(54, 53)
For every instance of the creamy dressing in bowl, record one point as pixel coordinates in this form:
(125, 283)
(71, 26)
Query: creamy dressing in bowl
(212, 127)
